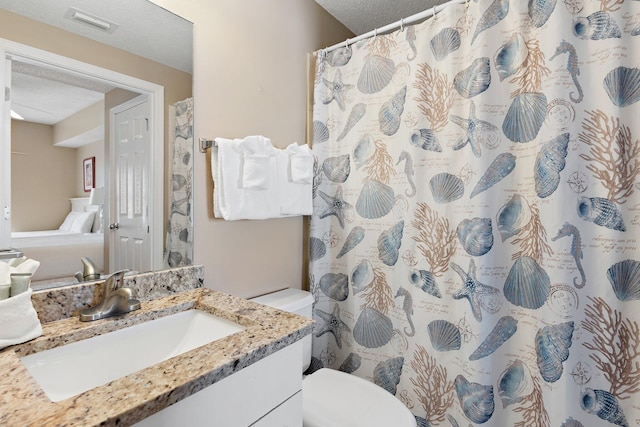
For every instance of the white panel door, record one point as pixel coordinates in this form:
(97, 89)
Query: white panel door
(130, 246)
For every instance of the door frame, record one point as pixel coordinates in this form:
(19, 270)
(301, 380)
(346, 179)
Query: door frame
(155, 92)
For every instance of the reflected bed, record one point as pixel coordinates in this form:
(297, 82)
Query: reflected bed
(59, 251)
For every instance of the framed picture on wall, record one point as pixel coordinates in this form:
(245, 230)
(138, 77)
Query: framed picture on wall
(89, 173)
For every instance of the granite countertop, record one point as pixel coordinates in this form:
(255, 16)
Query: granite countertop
(136, 396)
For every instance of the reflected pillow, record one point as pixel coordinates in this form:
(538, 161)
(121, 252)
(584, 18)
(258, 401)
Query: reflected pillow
(78, 222)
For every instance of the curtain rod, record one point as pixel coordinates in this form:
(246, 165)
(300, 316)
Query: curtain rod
(398, 24)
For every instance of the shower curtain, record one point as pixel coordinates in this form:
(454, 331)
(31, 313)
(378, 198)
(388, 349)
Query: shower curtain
(474, 243)
(179, 243)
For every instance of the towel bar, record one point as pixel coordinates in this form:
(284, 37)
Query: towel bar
(206, 143)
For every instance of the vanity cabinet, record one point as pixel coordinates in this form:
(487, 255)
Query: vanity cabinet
(267, 393)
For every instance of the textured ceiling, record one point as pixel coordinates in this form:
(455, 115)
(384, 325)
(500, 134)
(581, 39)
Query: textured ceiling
(361, 16)
(145, 29)
(42, 95)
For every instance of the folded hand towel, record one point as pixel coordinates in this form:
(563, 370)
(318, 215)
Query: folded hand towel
(19, 320)
(257, 152)
(297, 197)
(300, 163)
(255, 171)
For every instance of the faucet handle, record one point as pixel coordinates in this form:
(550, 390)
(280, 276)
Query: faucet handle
(114, 281)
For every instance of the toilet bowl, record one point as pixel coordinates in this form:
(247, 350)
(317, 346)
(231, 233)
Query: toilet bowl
(335, 398)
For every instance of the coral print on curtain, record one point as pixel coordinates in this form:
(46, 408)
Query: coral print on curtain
(475, 246)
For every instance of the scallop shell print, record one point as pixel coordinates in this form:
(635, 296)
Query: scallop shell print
(320, 132)
(337, 169)
(504, 329)
(515, 383)
(511, 56)
(570, 422)
(426, 139)
(552, 348)
(525, 117)
(390, 112)
(335, 286)
(357, 113)
(549, 163)
(601, 211)
(426, 281)
(622, 84)
(476, 235)
(372, 329)
(624, 277)
(317, 249)
(376, 200)
(444, 335)
(540, 11)
(446, 187)
(501, 166)
(527, 284)
(494, 14)
(353, 239)
(376, 74)
(339, 57)
(315, 365)
(597, 26)
(351, 363)
(389, 244)
(387, 373)
(512, 216)
(475, 399)
(361, 276)
(604, 405)
(363, 150)
(445, 42)
(474, 79)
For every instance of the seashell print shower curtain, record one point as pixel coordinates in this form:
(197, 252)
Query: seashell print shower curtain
(179, 241)
(474, 245)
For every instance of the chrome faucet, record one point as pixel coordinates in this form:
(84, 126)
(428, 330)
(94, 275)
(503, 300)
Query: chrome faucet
(117, 299)
(89, 271)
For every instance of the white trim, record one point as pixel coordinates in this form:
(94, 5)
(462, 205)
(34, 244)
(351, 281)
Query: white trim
(5, 158)
(155, 92)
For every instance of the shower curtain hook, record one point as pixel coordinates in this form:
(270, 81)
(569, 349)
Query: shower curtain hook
(401, 24)
(375, 33)
(346, 44)
(435, 12)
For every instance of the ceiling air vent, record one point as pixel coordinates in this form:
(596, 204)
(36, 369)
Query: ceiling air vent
(91, 20)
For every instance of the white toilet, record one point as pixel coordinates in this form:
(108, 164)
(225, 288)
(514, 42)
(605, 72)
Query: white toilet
(334, 398)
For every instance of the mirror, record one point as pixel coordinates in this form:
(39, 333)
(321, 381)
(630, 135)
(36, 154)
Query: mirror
(41, 198)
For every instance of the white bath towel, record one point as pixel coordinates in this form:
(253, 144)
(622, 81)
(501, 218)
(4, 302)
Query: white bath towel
(231, 200)
(19, 320)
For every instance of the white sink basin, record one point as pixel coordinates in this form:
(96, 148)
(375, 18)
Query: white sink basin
(74, 368)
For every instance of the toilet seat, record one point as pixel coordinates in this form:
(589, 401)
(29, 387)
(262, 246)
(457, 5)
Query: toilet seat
(336, 399)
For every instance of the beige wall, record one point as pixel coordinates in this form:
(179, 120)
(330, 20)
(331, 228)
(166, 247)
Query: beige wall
(250, 78)
(83, 124)
(43, 177)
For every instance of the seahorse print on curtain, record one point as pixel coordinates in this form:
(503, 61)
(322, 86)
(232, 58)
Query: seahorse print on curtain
(486, 236)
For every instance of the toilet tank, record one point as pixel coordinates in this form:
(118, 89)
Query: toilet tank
(293, 301)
